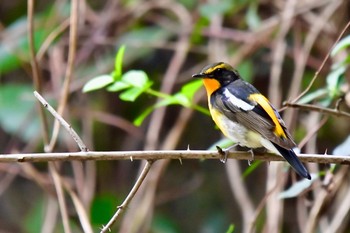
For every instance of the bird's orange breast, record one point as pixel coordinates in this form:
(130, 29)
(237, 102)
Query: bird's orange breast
(211, 85)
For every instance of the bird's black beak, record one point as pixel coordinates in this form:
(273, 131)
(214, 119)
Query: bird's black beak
(200, 75)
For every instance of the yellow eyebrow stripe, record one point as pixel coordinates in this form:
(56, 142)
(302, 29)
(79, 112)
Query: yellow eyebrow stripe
(264, 103)
(220, 66)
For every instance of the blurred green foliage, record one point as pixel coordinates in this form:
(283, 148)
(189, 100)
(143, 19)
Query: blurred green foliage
(335, 80)
(135, 82)
(16, 104)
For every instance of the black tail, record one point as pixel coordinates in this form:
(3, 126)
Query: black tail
(294, 161)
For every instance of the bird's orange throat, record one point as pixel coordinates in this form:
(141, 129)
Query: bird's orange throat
(211, 85)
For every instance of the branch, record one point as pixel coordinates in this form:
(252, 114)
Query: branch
(163, 154)
(74, 17)
(60, 119)
(60, 197)
(131, 194)
(310, 107)
(36, 69)
(322, 64)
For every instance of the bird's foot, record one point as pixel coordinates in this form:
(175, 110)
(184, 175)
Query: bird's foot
(252, 154)
(224, 152)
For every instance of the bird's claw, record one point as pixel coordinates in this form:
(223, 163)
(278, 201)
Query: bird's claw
(252, 160)
(223, 154)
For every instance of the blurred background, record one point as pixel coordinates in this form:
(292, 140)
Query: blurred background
(276, 45)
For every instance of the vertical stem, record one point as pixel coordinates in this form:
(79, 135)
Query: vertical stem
(60, 196)
(35, 70)
(127, 200)
(70, 67)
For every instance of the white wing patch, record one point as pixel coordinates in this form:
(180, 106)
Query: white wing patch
(238, 102)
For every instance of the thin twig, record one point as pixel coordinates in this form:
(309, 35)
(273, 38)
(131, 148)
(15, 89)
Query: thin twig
(279, 51)
(322, 199)
(144, 202)
(310, 107)
(131, 194)
(341, 216)
(312, 132)
(74, 16)
(274, 209)
(163, 154)
(37, 83)
(60, 197)
(260, 207)
(322, 64)
(35, 68)
(51, 37)
(81, 210)
(304, 52)
(171, 74)
(50, 215)
(60, 119)
(77, 202)
(240, 192)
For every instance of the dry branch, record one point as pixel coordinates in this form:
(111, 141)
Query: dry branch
(128, 199)
(162, 154)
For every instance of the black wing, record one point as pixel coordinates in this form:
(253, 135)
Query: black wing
(254, 118)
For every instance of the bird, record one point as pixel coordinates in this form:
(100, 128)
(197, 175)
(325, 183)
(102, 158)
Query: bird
(245, 116)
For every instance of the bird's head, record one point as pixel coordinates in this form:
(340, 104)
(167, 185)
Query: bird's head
(217, 75)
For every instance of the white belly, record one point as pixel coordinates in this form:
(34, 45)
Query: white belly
(240, 134)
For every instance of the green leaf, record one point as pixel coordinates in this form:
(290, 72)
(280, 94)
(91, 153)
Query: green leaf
(8, 61)
(175, 99)
(196, 34)
(343, 43)
(131, 94)
(118, 65)
(145, 35)
(251, 168)
(102, 208)
(313, 96)
(297, 188)
(34, 218)
(164, 223)
(138, 121)
(142, 35)
(209, 10)
(181, 98)
(118, 86)
(98, 83)
(189, 4)
(326, 102)
(178, 98)
(191, 88)
(139, 82)
(252, 16)
(16, 103)
(334, 81)
(246, 69)
(231, 228)
(14, 47)
(136, 78)
(223, 143)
